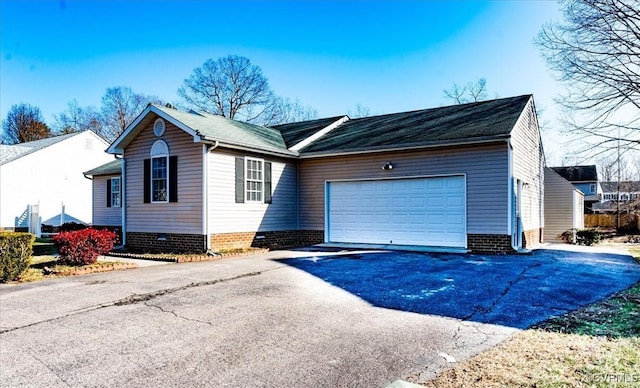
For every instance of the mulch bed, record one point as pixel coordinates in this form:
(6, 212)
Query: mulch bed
(87, 269)
(187, 258)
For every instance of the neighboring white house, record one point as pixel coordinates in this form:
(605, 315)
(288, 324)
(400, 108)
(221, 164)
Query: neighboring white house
(45, 175)
(628, 191)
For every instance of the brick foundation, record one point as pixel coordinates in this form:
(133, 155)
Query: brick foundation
(489, 243)
(192, 243)
(271, 240)
(166, 242)
(532, 237)
(501, 244)
(115, 229)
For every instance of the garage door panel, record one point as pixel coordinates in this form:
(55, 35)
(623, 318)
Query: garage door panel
(423, 211)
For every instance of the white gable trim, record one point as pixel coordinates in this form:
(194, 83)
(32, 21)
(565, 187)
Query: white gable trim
(319, 134)
(116, 148)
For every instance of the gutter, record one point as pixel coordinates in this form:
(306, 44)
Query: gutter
(246, 147)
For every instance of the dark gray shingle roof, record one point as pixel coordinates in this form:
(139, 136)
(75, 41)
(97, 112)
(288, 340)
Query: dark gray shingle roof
(111, 168)
(577, 173)
(294, 133)
(445, 125)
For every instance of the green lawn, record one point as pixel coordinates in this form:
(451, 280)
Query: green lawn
(44, 247)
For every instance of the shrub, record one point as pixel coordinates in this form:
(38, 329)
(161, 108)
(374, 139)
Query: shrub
(83, 246)
(71, 227)
(569, 236)
(587, 236)
(15, 254)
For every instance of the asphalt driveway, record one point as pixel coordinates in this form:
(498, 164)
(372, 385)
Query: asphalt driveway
(509, 290)
(287, 318)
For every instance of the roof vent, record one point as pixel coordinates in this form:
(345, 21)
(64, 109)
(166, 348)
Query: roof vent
(158, 127)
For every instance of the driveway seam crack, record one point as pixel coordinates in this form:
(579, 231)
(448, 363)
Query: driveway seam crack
(137, 298)
(481, 310)
(172, 312)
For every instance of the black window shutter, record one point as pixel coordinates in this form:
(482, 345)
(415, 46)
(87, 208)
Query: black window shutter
(267, 182)
(108, 192)
(147, 181)
(173, 179)
(239, 180)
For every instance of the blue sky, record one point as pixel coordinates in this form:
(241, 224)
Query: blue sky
(387, 56)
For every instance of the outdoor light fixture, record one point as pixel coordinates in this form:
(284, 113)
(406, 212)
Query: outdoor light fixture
(388, 166)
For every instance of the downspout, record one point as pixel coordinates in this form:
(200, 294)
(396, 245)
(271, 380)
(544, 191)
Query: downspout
(123, 199)
(512, 224)
(205, 192)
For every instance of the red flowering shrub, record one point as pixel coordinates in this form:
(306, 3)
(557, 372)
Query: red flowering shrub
(83, 246)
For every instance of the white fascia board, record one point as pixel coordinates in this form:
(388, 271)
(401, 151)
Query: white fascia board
(319, 134)
(115, 146)
(249, 148)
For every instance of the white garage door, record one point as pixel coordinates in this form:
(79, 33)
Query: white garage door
(421, 211)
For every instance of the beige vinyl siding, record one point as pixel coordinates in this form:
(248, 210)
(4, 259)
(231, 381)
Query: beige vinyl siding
(227, 216)
(184, 216)
(528, 166)
(103, 215)
(559, 205)
(485, 167)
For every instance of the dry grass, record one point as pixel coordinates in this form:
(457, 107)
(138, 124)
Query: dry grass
(537, 358)
(596, 346)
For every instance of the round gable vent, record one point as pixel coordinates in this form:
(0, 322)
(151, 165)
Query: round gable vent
(158, 127)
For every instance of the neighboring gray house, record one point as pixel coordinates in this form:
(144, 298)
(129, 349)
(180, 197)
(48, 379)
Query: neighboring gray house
(463, 177)
(563, 206)
(585, 179)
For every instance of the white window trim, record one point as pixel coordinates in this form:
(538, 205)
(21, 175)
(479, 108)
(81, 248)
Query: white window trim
(166, 179)
(247, 199)
(159, 150)
(119, 191)
(593, 187)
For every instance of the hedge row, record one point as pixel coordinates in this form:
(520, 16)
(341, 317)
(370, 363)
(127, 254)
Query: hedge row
(15, 254)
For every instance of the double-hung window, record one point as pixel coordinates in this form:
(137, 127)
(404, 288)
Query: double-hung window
(115, 192)
(159, 172)
(159, 179)
(254, 180)
(160, 175)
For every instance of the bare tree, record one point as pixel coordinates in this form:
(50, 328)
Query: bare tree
(24, 123)
(471, 92)
(359, 111)
(78, 119)
(607, 168)
(231, 87)
(120, 106)
(596, 54)
(283, 110)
